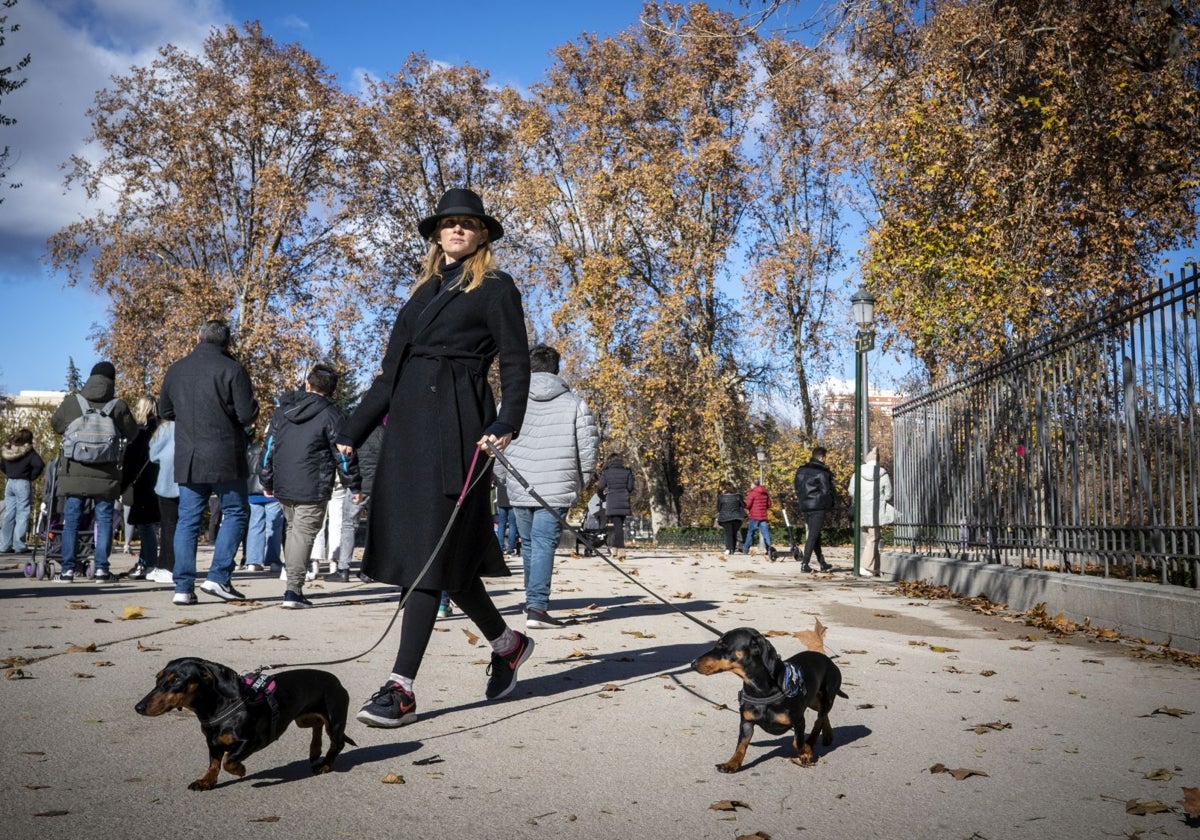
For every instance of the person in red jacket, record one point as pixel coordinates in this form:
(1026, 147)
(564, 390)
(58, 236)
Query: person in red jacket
(758, 502)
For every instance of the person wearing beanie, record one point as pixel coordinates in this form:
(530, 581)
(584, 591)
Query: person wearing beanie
(76, 482)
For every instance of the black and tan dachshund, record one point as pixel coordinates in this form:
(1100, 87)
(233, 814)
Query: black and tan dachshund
(241, 715)
(776, 692)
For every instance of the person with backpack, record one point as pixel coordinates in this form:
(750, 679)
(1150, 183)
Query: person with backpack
(95, 426)
(814, 497)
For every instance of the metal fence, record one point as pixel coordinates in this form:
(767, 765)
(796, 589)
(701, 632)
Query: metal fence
(1080, 454)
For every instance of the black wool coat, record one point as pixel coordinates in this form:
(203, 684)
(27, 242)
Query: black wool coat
(138, 478)
(434, 391)
(616, 486)
(207, 393)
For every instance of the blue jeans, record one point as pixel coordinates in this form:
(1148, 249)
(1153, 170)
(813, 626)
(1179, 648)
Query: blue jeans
(103, 517)
(539, 532)
(235, 511)
(16, 514)
(506, 528)
(265, 533)
(764, 529)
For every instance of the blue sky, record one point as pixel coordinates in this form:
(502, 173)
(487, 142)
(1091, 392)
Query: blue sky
(77, 46)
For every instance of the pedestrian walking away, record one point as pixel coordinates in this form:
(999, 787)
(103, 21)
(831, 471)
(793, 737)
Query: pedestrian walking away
(813, 483)
(758, 503)
(731, 512)
(555, 454)
(875, 512)
(615, 487)
(208, 395)
(463, 314)
(89, 466)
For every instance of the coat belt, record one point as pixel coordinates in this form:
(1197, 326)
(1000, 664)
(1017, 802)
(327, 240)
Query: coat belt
(450, 429)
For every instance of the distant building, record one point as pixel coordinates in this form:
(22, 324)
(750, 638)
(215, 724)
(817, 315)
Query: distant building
(24, 405)
(836, 397)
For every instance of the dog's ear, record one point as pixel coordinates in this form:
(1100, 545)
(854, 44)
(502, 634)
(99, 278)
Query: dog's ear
(770, 658)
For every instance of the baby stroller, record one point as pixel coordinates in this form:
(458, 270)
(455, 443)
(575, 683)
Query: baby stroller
(46, 560)
(594, 530)
(787, 503)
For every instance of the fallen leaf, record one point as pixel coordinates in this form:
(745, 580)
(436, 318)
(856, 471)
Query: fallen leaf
(433, 759)
(131, 613)
(103, 664)
(758, 835)
(187, 621)
(271, 819)
(577, 654)
(729, 805)
(144, 648)
(280, 638)
(942, 649)
(1021, 647)
(637, 634)
(1166, 710)
(85, 676)
(959, 773)
(1191, 802)
(611, 687)
(82, 648)
(78, 605)
(683, 596)
(994, 726)
(1162, 774)
(813, 639)
(987, 673)
(392, 779)
(472, 639)
(1093, 661)
(1011, 700)
(570, 637)
(52, 814)
(1153, 806)
(885, 615)
(14, 674)
(36, 787)
(776, 633)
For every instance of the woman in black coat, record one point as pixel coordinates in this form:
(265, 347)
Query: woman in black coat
(616, 487)
(433, 388)
(138, 476)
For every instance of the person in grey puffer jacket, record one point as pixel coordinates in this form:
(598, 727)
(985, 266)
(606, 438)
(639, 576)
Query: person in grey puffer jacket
(555, 452)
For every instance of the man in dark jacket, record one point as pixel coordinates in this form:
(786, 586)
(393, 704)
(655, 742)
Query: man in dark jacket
(207, 393)
(299, 461)
(75, 482)
(814, 497)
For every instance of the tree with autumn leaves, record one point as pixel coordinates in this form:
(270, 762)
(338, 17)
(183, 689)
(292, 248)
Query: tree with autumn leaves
(675, 199)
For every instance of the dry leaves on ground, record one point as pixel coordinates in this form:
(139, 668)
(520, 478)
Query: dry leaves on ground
(958, 773)
(90, 648)
(1167, 710)
(392, 779)
(132, 613)
(728, 805)
(1191, 802)
(994, 726)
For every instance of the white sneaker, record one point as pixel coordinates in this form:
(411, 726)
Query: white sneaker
(160, 576)
(253, 567)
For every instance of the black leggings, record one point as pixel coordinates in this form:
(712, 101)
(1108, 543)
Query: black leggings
(618, 531)
(731, 526)
(420, 614)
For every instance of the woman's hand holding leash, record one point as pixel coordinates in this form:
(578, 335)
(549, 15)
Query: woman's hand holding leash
(489, 442)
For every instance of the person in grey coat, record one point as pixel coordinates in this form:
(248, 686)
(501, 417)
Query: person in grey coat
(101, 483)
(555, 454)
(208, 395)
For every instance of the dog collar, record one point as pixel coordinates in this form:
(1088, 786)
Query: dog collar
(229, 712)
(743, 697)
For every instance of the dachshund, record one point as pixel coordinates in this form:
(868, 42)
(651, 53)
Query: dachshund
(240, 715)
(777, 692)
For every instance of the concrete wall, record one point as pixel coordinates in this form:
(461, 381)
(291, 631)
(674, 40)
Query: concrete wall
(1152, 611)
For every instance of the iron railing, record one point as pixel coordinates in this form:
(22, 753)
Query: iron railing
(1081, 453)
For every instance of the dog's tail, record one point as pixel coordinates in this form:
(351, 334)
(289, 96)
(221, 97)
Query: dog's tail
(840, 694)
(350, 740)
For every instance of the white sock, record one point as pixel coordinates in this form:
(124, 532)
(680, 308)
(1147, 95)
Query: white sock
(403, 682)
(506, 642)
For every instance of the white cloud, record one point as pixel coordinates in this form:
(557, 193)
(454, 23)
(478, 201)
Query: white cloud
(76, 48)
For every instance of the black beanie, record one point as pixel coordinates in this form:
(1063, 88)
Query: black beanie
(104, 369)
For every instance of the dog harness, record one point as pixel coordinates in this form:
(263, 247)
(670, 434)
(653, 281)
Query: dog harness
(793, 685)
(262, 690)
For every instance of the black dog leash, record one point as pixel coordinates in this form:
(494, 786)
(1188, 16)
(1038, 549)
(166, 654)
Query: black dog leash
(495, 453)
(468, 484)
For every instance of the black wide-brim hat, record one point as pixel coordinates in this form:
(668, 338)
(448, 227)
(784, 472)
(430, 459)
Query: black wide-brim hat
(460, 202)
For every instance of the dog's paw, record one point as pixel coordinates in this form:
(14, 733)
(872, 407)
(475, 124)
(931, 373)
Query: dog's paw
(235, 768)
(319, 767)
(201, 784)
(728, 767)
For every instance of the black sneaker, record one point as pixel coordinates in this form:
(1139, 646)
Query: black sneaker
(65, 577)
(224, 591)
(389, 707)
(503, 670)
(138, 572)
(293, 600)
(804, 567)
(106, 577)
(340, 576)
(825, 567)
(365, 579)
(541, 620)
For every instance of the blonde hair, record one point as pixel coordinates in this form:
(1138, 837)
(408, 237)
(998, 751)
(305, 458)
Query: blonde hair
(145, 408)
(475, 267)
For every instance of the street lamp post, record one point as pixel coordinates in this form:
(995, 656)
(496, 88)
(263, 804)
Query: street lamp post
(862, 306)
(762, 459)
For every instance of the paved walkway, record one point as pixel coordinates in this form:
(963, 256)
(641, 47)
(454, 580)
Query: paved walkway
(609, 734)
